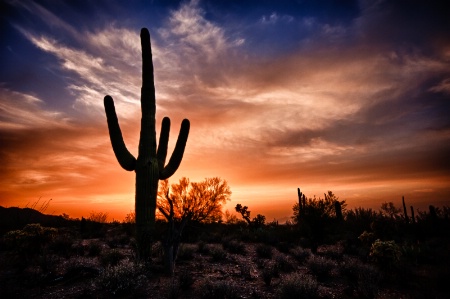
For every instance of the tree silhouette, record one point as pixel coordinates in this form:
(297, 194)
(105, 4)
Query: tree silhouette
(258, 221)
(189, 201)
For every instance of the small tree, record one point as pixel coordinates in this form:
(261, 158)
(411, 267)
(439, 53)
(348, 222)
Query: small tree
(258, 221)
(184, 202)
(388, 209)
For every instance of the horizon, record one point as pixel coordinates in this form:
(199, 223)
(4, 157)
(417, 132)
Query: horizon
(350, 98)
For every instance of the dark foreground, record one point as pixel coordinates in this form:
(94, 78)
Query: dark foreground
(96, 260)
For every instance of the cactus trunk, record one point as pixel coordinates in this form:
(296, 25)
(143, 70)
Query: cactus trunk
(413, 218)
(149, 165)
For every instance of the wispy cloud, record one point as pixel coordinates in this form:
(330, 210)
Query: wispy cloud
(344, 106)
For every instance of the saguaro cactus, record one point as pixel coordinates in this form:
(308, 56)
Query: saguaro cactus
(301, 203)
(150, 163)
(405, 211)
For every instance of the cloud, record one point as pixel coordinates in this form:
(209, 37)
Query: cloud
(21, 111)
(274, 18)
(343, 107)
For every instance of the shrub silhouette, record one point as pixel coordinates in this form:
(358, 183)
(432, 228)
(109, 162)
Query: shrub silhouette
(29, 241)
(298, 286)
(150, 163)
(124, 278)
(385, 253)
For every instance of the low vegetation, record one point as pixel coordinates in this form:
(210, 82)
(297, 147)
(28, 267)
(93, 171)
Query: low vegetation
(364, 254)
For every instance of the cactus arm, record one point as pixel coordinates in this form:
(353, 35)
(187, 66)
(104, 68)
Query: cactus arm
(161, 154)
(125, 158)
(178, 152)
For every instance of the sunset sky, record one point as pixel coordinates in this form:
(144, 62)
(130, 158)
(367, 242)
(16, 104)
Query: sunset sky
(348, 96)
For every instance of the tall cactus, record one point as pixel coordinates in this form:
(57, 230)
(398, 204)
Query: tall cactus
(150, 163)
(405, 211)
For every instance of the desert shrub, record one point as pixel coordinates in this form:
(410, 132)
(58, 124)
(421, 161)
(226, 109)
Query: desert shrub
(264, 251)
(284, 247)
(246, 271)
(186, 251)
(123, 278)
(334, 252)
(78, 248)
(283, 263)
(62, 245)
(95, 248)
(368, 281)
(30, 240)
(300, 254)
(99, 217)
(234, 246)
(360, 219)
(118, 240)
(385, 253)
(321, 266)
(185, 280)
(298, 286)
(217, 252)
(111, 257)
(350, 267)
(269, 271)
(157, 249)
(218, 290)
(363, 277)
(173, 290)
(366, 238)
(202, 247)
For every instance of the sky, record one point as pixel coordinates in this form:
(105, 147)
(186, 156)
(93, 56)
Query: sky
(347, 96)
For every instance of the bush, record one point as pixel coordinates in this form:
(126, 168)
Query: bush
(246, 271)
(218, 290)
(94, 248)
(321, 266)
(217, 253)
(298, 286)
(366, 238)
(118, 240)
(234, 246)
(264, 251)
(62, 245)
(283, 263)
(268, 273)
(368, 281)
(111, 257)
(186, 252)
(350, 267)
(185, 280)
(30, 240)
(300, 254)
(124, 278)
(284, 247)
(99, 217)
(202, 247)
(364, 278)
(385, 253)
(334, 252)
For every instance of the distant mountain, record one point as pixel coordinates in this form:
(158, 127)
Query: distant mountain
(17, 218)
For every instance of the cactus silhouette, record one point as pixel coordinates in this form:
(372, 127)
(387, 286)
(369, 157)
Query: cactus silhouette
(150, 164)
